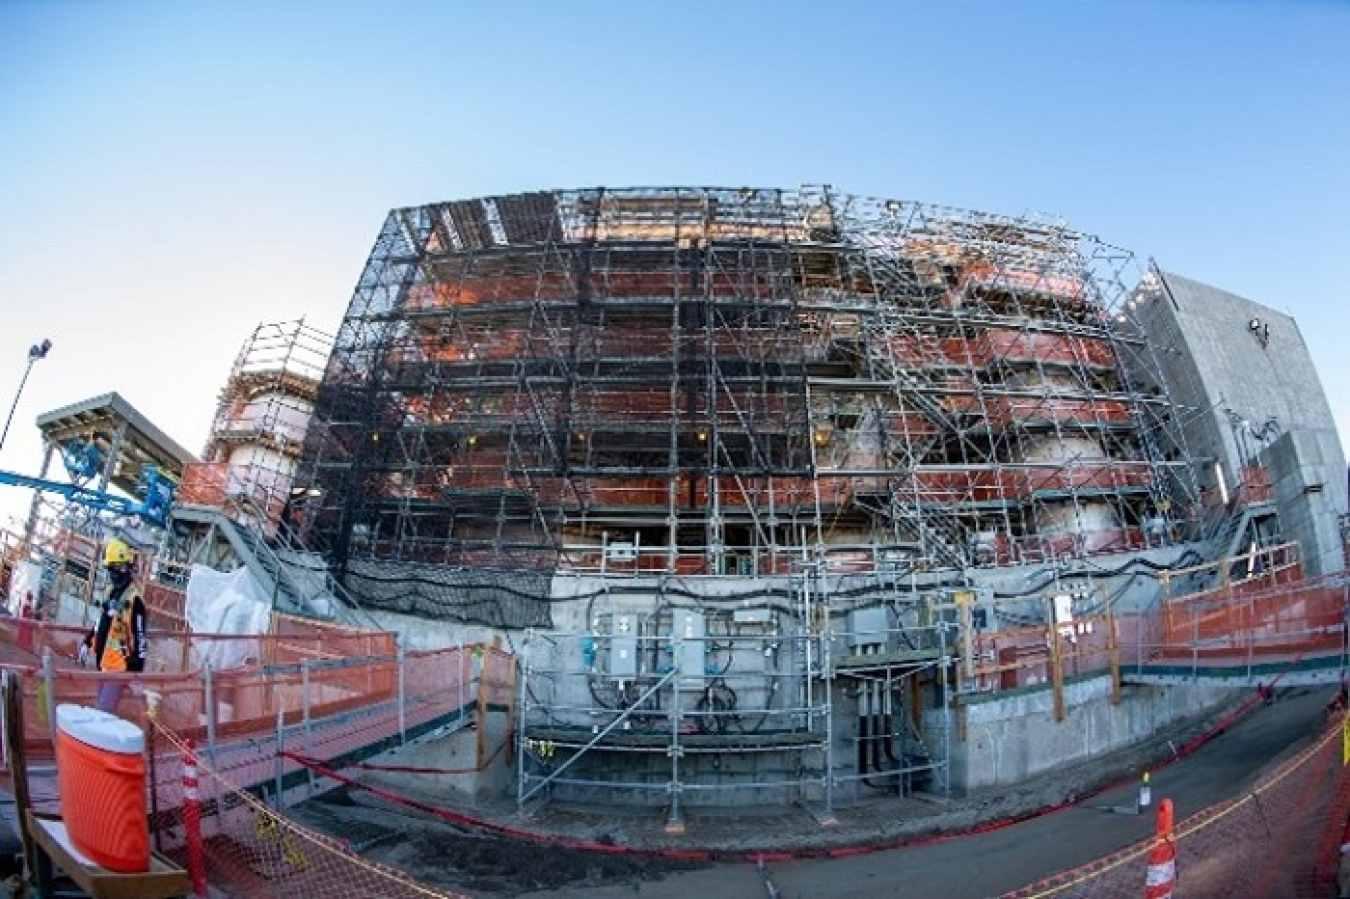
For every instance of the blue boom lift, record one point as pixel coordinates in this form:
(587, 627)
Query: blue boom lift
(83, 460)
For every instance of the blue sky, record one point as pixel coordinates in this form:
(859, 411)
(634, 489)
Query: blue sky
(173, 174)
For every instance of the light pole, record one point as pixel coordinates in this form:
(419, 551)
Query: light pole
(35, 352)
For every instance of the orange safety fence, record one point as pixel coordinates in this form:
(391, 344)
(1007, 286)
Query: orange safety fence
(1251, 622)
(220, 484)
(299, 672)
(1263, 621)
(240, 841)
(1256, 619)
(1270, 841)
(248, 845)
(290, 641)
(1013, 658)
(245, 770)
(1280, 838)
(246, 848)
(1306, 618)
(167, 605)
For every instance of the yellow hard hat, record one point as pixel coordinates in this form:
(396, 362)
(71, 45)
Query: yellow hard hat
(118, 553)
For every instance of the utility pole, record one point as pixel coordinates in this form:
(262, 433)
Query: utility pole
(35, 352)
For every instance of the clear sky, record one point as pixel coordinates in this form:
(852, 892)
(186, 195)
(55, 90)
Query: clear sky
(173, 174)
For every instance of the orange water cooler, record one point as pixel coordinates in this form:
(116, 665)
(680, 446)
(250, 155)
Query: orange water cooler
(101, 763)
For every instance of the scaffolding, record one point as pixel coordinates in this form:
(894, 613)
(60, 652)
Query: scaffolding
(727, 701)
(730, 458)
(718, 381)
(260, 424)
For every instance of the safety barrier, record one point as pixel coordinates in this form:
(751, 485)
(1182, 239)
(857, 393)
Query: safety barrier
(1279, 838)
(341, 691)
(1249, 630)
(1254, 627)
(324, 694)
(245, 846)
(173, 648)
(228, 837)
(224, 751)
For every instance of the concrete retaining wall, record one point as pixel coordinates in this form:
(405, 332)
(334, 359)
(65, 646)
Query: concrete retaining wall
(452, 762)
(1010, 738)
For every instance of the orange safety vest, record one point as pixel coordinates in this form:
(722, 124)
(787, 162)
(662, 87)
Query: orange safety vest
(118, 646)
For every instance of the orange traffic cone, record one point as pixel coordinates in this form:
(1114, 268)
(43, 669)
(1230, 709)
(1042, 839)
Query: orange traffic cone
(1162, 859)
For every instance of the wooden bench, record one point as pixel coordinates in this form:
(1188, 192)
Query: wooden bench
(44, 837)
(164, 880)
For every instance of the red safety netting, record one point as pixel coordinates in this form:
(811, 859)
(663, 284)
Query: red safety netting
(1252, 621)
(244, 847)
(248, 845)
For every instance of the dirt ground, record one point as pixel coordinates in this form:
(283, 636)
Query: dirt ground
(443, 855)
(482, 864)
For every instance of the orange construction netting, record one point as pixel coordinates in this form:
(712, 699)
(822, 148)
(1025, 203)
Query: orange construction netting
(1280, 839)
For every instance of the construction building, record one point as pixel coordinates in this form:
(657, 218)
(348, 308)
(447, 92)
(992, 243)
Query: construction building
(240, 505)
(260, 422)
(777, 496)
(759, 469)
(1252, 409)
(727, 382)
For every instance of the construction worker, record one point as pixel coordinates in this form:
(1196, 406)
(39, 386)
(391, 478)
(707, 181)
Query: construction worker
(117, 643)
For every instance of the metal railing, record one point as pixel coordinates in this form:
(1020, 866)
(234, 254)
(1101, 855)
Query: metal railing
(307, 594)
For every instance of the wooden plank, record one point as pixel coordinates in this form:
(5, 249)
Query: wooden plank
(164, 880)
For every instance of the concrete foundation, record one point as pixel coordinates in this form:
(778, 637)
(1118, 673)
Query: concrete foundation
(1009, 739)
(459, 766)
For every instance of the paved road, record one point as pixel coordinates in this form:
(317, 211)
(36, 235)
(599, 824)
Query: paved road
(998, 861)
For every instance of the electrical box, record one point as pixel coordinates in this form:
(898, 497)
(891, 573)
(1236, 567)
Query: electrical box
(623, 647)
(867, 627)
(689, 640)
(620, 552)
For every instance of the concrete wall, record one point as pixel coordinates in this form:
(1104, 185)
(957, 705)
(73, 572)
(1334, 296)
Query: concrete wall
(73, 610)
(1310, 505)
(1012, 738)
(1243, 379)
(454, 758)
(1008, 740)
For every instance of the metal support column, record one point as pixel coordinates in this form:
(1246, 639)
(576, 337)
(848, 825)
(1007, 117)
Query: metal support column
(675, 823)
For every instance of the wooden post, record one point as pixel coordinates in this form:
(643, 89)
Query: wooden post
(966, 669)
(11, 706)
(507, 736)
(402, 661)
(1056, 665)
(1113, 650)
(484, 670)
(151, 714)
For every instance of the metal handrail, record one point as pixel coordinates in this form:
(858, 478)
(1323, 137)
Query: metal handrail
(259, 543)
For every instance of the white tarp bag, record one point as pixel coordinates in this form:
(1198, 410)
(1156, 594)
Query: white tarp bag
(25, 586)
(225, 602)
